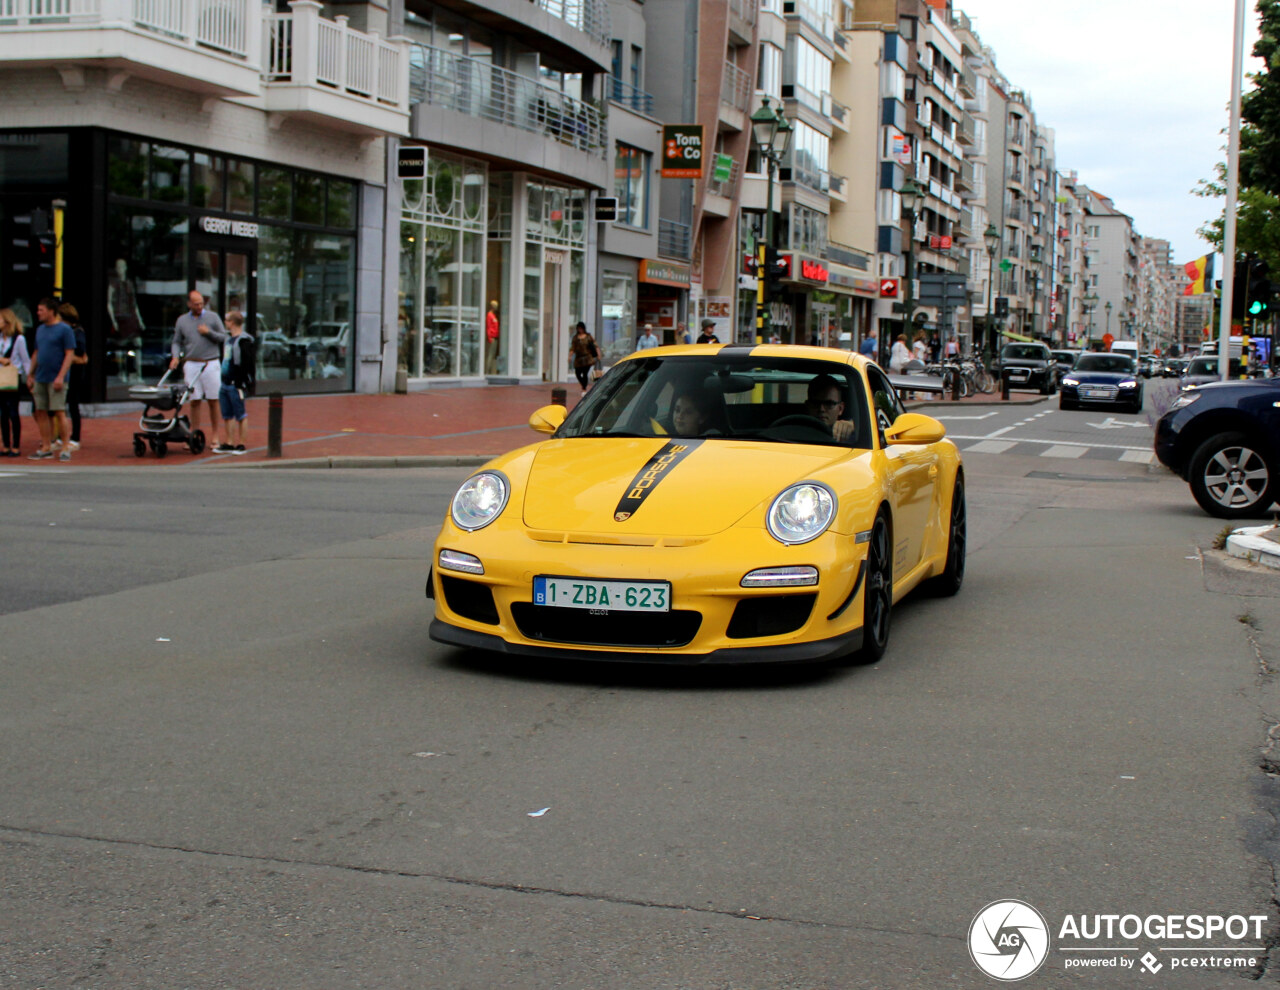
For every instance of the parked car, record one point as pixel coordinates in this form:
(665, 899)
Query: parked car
(1148, 365)
(1173, 367)
(1102, 379)
(1029, 366)
(1065, 360)
(1224, 440)
(841, 502)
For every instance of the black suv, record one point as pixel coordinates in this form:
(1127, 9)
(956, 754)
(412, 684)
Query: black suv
(1029, 366)
(1224, 439)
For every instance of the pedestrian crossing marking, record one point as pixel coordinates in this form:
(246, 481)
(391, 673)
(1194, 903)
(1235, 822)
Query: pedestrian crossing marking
(1064, 450)
(1138, 456)
(991, 446)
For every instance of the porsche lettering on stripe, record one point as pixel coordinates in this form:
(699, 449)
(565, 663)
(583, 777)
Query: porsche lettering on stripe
(655, 469)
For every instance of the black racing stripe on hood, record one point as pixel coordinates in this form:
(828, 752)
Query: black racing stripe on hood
(650, 476)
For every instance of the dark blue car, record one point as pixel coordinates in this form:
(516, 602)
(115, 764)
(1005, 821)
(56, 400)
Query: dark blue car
(1224, 439)
(1104, 379)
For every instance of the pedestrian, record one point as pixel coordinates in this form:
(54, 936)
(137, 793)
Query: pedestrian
(899, 355)
(647, 339)
(78, 380)
(492, 331)
(918, 349)
(198, 336)
(682, 334)
(238, 380)
(47, 377)
(708, 335)
(583, 355)
(953, 350)
(13, 355)
(870, 346)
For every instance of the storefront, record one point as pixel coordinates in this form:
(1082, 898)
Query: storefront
(617, 332)
(663, 296)
(492, 269)
(146, 221)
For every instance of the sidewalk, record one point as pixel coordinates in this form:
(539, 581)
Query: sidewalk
(448, 425)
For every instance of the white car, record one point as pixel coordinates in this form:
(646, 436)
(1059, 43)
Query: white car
(330, 340)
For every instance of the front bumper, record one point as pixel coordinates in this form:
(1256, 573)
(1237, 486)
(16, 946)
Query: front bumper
(1027, 377)
(1115, 395)
(712, 618)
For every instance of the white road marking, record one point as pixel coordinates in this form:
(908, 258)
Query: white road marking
(1111, 423)
(995, 433)
(1063, 450)
(1138, 456)
(1055, 443)
(950, 416)
(990, 446)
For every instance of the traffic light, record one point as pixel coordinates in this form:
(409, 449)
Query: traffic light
(1259, 290)
(776, 268)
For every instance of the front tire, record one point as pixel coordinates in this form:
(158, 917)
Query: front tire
(1231, 478)
(949, 581)
(877, 593)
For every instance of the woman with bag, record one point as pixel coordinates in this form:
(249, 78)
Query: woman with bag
(583, 355)
(15, 364)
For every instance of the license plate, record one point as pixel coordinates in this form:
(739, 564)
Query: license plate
(1020, 375)
(612, 596)
(1095, 393)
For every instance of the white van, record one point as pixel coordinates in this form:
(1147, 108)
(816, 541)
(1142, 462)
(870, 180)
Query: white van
(1129, 348)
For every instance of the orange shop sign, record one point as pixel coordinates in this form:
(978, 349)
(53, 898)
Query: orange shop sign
(664, 273)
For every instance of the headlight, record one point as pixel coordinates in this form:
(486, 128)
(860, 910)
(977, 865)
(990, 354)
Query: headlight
(1184, 400)
(801, 513)
(480, 500)
(1188, 388)
(1128, 384)
(1071, 381)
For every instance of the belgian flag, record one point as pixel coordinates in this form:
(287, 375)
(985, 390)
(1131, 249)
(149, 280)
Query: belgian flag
(1200, 272)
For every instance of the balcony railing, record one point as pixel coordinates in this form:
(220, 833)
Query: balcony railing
(735, 90)
(478, 89)
(746, 9)
(218, 25)
(591, 17)
(348, 61)
(624, 93)
(674, 240)
(818, 179)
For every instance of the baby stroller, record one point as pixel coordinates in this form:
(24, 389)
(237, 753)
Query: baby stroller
(158, 430)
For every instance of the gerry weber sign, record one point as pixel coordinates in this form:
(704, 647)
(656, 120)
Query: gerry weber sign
(236, 228)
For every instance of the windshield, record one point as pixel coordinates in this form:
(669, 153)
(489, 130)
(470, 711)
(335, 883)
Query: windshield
(1105, 362)
(1024, 352)
(740, 396)
(1209, 366)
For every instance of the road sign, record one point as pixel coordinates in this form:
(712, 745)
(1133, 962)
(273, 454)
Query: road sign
(942, 288)
(888, 288)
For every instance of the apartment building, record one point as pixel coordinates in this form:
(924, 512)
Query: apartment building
(1112, 244)
(496, 245)
(150, 149)
(1158, 288)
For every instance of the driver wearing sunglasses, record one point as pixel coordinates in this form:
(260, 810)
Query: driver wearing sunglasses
(825, 403)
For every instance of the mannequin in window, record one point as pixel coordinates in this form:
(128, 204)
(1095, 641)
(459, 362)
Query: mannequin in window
(126, 320)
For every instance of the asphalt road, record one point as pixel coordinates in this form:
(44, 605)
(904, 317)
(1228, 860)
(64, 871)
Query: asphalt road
(234, 759)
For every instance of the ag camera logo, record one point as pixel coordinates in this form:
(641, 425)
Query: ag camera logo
(1008, 940)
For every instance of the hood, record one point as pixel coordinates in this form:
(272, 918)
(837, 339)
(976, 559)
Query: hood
(580, 484)
(1103, 377)
(1026, 362)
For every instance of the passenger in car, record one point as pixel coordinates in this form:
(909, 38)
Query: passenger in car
(692, 412)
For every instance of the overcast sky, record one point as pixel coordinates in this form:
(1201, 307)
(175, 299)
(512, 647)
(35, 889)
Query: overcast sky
(1136, 93)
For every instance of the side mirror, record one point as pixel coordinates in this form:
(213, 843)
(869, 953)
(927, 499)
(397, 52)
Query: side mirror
(548, 419)
(915, 428)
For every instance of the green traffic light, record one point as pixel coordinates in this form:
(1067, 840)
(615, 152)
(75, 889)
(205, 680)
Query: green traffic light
(1256, 307)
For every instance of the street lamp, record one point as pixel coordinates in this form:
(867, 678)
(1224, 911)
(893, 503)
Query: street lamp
(1090, 304)
(913, 195)
(992, 238)
(772, 132)
(1107, 307)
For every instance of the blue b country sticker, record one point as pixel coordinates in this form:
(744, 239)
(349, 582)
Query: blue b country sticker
(655, 469)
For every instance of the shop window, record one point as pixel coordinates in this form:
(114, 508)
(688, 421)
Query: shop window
(275, 193)
(127, 167)
(240, 186)
(207, 182)
(342, 203)
(33, 159)
(308, 199)
(170, 172)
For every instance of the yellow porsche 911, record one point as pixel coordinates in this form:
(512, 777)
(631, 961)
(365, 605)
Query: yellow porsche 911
(706, 504)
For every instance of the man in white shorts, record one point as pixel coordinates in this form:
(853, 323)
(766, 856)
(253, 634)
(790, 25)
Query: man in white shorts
(197, 339)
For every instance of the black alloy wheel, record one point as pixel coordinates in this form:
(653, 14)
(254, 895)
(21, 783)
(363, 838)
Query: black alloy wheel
(877, 595)
(1232, 478)
(952, 577)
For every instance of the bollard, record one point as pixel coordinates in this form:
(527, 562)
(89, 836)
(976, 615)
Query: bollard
(275, 421)
(1004, 387)
(558, 396)
(955, 385)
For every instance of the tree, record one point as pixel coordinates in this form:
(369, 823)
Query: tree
(1257, 219)
(1260, 108)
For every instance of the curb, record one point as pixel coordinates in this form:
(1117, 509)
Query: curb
(1248, 543)
(425, 460)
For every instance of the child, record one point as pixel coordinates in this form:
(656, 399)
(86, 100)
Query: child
(237, 382)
